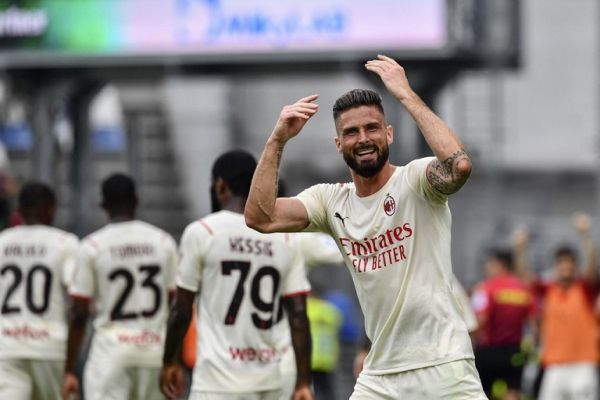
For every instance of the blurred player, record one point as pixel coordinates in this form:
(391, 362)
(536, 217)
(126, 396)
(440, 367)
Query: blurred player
(127, 269)
(504, 305)
(316, 249)
(36, 266)
(393, 228)
(568, 327)
(241, 279)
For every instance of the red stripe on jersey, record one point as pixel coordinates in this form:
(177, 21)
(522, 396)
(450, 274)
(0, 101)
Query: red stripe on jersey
(294, 294)
(206, 226)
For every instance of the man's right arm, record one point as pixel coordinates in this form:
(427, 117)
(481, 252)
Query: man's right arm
(171, 377)
(265, 212)
(521, 241)
(78, 317)
(582, 223)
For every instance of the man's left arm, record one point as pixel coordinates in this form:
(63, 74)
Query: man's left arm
(452, 166)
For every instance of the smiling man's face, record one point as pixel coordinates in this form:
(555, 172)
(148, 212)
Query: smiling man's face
(363, 139)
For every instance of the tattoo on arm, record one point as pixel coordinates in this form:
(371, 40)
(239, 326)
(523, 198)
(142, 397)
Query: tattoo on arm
(447, 177)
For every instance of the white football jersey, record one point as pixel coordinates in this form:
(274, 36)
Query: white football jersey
(317, 248)
(128, 268)
(396, 244)
(241, 275)
(36, 266)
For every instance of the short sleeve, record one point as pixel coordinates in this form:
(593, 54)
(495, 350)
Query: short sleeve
(69, 261)
(416, 175)
(172, 259)
(313, 199)
(295, 280)
(318, 249)
(84, 278)
(193, 241)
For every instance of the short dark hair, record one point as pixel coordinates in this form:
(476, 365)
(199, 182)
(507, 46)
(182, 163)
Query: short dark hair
(565, 250)
(505, 257)
(118, 193)
(36, 195)
(356, 98)
(236, 168)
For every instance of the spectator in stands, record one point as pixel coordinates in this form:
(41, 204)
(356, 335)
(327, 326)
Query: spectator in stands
(569, 326)
(503, 304)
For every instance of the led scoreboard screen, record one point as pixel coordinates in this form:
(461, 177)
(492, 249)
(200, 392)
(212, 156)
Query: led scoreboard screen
(46, 31)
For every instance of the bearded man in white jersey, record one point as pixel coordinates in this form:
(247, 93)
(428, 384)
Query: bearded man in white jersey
(36, 265)
(127, 268)
(392, 225)
(241, 279)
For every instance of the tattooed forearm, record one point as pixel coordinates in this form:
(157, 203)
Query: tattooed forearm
(449, 176)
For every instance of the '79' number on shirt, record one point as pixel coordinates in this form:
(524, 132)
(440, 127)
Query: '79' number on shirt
(266, 306)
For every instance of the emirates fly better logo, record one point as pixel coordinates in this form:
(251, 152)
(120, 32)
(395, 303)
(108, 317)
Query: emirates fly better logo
(389, 205)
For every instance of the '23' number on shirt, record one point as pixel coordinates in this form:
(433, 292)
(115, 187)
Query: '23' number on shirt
(149, 273)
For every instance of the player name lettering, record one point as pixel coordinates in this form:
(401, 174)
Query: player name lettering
(26, 332)
(251, 246)
(252, 354)
(132, 250)
(30, 250)
(140, 339)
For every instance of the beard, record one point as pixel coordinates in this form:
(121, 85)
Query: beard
(369, 169)
(214, 200)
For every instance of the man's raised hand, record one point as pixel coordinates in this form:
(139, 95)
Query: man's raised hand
(293, 118)
(392, 75)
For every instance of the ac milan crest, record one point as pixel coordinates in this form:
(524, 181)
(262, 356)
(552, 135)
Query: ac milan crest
(389, 205)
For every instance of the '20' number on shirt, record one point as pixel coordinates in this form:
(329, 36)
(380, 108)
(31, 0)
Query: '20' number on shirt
(266, 306)
(34, 303)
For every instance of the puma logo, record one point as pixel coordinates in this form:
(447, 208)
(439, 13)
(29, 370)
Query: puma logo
(337, 215)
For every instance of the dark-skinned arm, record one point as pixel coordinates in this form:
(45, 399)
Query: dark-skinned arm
(171, 376)
(295, 307)
(79, 314)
